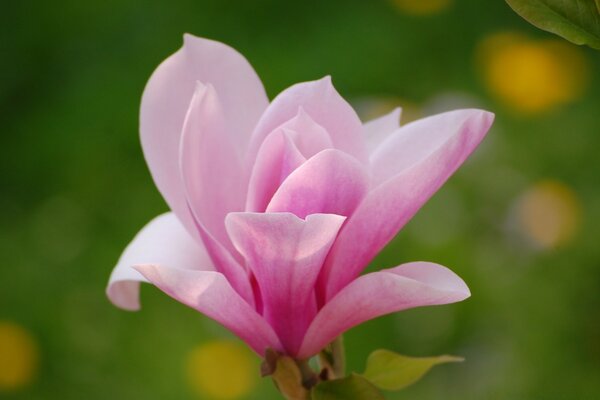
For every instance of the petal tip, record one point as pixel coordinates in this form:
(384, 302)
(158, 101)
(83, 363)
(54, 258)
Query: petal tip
(124, 295)
(323, 83)
(484, 117)
(188, 38)
(327, 81)
(460, 289)
(489, 117)
(435, 276)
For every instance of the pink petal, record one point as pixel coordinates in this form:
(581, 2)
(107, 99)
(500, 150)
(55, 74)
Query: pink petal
(285, 253)
(330, 182)
(210, 165)
(434, 147)
(210, 293)
(377, 130)
(228, 265)
(277, 158)
(284, 150)
(407, 286)
(166, 99)
(308, 136)
(416, 142)
(325, 106)
(163, 241)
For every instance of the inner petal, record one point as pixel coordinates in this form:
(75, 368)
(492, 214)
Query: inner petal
(282, 152)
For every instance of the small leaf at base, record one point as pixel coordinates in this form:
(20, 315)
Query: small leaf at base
(392, 371)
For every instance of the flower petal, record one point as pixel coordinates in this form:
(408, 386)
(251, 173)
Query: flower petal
(206, 147)
(285, 253)
(417, 142)
(377, 130)
(166, 99)
(325, 106)
(284, 150)
(434, 147)
(330, 182)
(210, 293)
(278, 157)
(407, 286)
(162, 241)
(308, 136)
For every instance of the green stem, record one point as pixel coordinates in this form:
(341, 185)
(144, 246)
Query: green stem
(339, 357)
(333, 359)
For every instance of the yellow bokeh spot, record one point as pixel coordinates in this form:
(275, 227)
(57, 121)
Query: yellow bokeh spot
(532, 76)
(18, 356)
(421, 7)
(550, 214)
(221, 370)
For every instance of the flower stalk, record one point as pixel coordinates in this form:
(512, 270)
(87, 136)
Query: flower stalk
(332, 360)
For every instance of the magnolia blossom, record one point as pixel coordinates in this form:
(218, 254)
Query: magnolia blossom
(277, 207)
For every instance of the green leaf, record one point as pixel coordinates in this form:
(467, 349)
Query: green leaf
(353, 387)
(576, 20)
(392, 371)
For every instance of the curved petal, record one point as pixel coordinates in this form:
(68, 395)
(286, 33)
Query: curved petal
(284, 150)
(206, 147)
(166, 99)
(277, 158)
(325, 106)
(162, 241)
(285, 253)
(330, 182)
(228, 265)
(407, 286)
(388, 207)
(378, 129)
(417, 141)
(308, 136)
(211, 294)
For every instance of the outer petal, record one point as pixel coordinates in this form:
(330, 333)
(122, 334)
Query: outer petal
(166, 99)
(209, 292)
(163, 241)
(285, 253)
(325, 106)
(416, 143)
(407, 286)
(435, 148)
(330, 182)
(377, 130)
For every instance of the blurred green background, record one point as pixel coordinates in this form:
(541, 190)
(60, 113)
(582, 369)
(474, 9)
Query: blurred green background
(519, 222)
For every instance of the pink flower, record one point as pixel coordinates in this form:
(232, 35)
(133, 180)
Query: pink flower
(276, 208)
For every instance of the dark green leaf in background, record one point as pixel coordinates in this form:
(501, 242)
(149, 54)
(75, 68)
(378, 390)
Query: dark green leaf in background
(576, 20)
(391, 371)
(353, 387)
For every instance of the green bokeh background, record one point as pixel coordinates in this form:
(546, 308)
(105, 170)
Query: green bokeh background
(75, 189)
